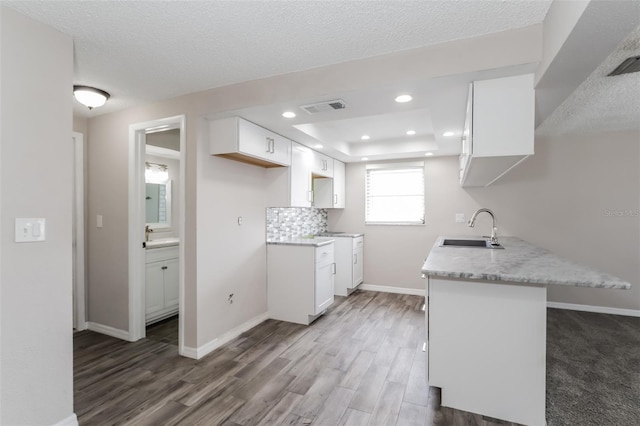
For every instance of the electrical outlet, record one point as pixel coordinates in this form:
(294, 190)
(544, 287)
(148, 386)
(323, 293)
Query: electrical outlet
(239, 220)
(460, 218)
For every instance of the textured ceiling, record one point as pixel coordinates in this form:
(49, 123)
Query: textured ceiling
(601, 103)
(146, 51)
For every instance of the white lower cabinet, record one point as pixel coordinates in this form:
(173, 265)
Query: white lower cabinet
(300, 281)
(349, 253)
(161, 283)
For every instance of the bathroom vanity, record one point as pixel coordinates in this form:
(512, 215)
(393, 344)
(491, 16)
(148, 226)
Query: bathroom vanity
(161, 279)
(486, 323)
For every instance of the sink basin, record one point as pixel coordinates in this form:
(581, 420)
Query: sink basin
(480, 243)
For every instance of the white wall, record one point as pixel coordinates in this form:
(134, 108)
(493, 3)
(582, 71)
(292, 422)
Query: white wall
(558, 199)
(36, 181)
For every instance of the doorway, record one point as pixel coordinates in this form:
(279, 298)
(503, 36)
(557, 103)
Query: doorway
(150, 164)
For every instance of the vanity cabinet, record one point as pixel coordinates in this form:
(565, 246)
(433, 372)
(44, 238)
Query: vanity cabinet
(161, 283)
(329, 193)
(499, 128)
(238, 139)
(300, 281)
(322, 165)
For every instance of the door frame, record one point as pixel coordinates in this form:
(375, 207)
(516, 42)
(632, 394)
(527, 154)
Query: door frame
(137, 222)
(79, 277)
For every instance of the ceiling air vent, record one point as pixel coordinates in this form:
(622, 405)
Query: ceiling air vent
(324, 106)
(627, 66)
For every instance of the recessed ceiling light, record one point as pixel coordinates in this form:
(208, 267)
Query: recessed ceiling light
(403, 98)
(288, 114)
(428, 154)
(411, 132)
(365, 137)
(447, 134)
(318, 146)
(365, 158)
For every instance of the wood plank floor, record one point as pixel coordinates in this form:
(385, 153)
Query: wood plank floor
(360, 364)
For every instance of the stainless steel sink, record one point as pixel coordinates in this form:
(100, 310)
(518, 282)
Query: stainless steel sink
(479, 243)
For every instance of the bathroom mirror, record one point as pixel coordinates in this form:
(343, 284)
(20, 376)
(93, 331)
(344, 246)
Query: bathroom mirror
(158, 204)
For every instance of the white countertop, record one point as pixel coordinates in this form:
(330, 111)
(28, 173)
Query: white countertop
(162, 242)
(519, 262)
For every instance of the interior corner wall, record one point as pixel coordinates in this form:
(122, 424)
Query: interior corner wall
(36, 181)
(578, 196)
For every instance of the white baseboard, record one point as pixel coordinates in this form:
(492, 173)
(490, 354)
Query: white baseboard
(388, 289)
(72, 420)
(109, 331)
(200, 351)
(597, 309)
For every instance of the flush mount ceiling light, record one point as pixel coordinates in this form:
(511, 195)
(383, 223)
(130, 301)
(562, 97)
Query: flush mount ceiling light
(365, 137)
(90, 96)
(404, 98)
(318, 146)
(411, 132)
(447, 134)
(365, 158)
(428, 154)
(288, 114)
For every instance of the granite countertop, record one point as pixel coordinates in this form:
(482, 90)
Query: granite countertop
(519, 262)
(339, 234)
(311, 242)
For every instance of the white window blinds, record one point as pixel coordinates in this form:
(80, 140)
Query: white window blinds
(395, 193)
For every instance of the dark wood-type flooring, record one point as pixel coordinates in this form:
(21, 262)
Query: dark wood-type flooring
(361, 363)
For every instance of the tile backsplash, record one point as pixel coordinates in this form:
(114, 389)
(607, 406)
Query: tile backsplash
(284, 223)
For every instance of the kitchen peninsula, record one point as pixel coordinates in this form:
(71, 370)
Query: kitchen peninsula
(486, 324)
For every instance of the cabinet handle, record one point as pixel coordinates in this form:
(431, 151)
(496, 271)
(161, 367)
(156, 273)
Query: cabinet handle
(333, 265)
(164, 267)
(335, 198)
(310, 195)
(355, 259)
(271, 146)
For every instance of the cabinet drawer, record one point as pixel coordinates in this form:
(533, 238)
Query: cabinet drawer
(324, 254)
(358, 242)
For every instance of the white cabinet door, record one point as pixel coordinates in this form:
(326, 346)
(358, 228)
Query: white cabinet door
(171, 278)
(324, 286)
(328, 193)
(253, 139)
(339, 185)
(358, 266)
(301, 194)
(322, 165)
(154, 283)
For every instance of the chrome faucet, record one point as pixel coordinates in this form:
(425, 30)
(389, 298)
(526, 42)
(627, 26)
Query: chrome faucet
(494, 230)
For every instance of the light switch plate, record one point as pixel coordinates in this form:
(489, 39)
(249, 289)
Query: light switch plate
(30, 230)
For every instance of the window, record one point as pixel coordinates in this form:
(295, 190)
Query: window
(395, 193)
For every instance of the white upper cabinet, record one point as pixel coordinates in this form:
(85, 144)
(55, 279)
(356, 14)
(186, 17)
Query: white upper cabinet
(329, 193)
(322, 165)
(241, 140)
(499, 128)
(300, 188)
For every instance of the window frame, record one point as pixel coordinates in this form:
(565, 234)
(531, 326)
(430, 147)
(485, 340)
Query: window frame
(395, 166)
